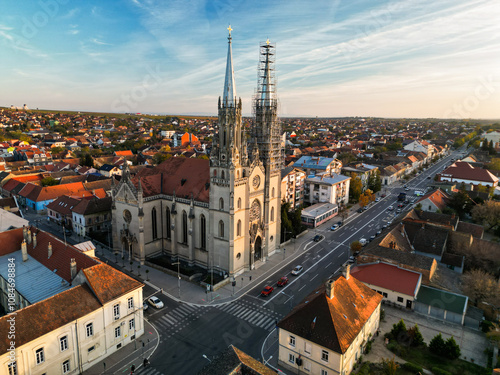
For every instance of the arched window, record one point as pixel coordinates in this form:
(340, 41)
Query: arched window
(272, 195)
(272, 213)
(184, 227)
(221, 228)
(238, 228)
(203, 232)
(167, 215)
(222, 175)
(237, 174)
(221, 204)
(215, 172)
(153, 224)
(239, 202)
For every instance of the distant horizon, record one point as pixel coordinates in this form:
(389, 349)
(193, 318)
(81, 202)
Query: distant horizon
(389, 59)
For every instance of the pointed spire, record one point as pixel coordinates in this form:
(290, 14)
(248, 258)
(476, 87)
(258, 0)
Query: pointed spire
(266, 82)
(229, 94)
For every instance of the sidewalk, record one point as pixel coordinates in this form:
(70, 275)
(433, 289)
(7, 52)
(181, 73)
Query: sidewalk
(132, 354)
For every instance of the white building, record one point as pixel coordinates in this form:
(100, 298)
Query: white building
(334, 189)
(83, 311)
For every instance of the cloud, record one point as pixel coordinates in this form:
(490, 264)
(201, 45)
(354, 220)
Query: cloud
(97, 41)
(71, 13)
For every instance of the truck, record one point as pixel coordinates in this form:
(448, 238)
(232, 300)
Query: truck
(402, 197)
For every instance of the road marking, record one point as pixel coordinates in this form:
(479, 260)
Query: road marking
(314, 277)
(302, 287)
(340, 254)
(329, 264)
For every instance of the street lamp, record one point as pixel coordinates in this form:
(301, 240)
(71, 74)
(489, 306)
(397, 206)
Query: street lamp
(178, 263)
(208, 359)
(267, 361)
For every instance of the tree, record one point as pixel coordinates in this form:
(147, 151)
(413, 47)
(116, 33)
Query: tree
(87, 160)
(159, 157)
(390, 366)
(452, 350)
(355, 187)
(460, 203)
(487, 214)
(364, 200)
(480, 286)
(374, 181)
(494, 164)
(437, 345)
(416, 338)
(399, 332)
(49, 181)
(356, 246)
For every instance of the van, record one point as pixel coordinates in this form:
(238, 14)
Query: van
(419, 193)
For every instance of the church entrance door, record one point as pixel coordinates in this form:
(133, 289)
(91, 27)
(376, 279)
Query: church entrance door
(258, 249)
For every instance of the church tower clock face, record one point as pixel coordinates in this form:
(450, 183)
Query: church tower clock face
(255, 211)
(256, 182)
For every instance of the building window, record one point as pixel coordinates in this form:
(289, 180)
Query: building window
(116, 311)
(184, 227)
(91, 349)
(153, 223)
(12, 368)
(272, 214)
(307, 365)
(307, 348)
(324, 355)
(131, 324)
(167, 214)
(118, 332)
(239, 202)
(238, 228)
(90, 220)
(89, 329)
(130, 303)
(272, 195)
(203, 232)
(324, 372)
(63, 343)
(65, 367)
(400, 299)
(221, 228)
(40, 356)
(384, 294)
(292, 341)
(222, 175)
(221, 203)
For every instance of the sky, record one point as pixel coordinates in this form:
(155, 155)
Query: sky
(406, 58)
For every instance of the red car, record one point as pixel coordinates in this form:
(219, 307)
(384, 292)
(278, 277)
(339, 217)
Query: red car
(267, 291)
(283, 281)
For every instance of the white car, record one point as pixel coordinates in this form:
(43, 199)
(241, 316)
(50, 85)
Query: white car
(377, 200)
(297, 270)
(155, 302)
(390, 208)
(334, 227)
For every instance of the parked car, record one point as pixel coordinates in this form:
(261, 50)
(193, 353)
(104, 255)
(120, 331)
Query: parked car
(372, 237)
(360, 209)
(379, 232)
(267, 291)
(383, 195)
(317, 238)
(283, 281)
(398, 211)
(145, 306)
(339, 224)
(363, 241)
(297, 270)
(155, 302)
(377, 199)
(390, 208)
(351, 259)
(334, 227)
(356, 253)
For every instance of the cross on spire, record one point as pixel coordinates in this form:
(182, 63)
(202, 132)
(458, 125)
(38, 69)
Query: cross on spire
(229, 29)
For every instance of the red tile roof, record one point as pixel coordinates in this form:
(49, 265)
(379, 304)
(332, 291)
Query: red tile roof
(388, 276)
(438, 197)
(38, 193)
(185, 176)
(124, 153)
(63, 205)
(466, 171)
(337, 320)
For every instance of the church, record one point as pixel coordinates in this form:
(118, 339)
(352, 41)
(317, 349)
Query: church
(222, 213)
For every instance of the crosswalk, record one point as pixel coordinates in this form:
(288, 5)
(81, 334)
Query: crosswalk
(148, 371)
(254, 314)
(177, 317)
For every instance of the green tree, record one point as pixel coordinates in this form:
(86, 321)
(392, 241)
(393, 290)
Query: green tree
(159, 158)
(355, 187)
(390, 366)
(415, 336)
(286, 224)
(452, 350)
(399, 332)
(487, 214)
(87, 160)
(460, 203)
(49, 181)
(494, 164)
(480, 286)
(437, 345)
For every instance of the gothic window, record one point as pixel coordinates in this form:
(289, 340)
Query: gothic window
(221, 204)
(153, 224)
(224, 138)
(167, 214)
(127, 216)
(237, 174)
(215, 172)
(238, 228)
(203, 232)
(255, 210)
(272, 214)
(221, 228)
(184, 227)
(272, 195)
(222, 175)
(239, 202)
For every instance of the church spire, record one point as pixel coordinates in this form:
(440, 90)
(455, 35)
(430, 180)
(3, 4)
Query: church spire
(229, 94)
(267, 89)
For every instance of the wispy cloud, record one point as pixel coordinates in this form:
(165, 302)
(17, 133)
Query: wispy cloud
(100, 42)
(70, 14)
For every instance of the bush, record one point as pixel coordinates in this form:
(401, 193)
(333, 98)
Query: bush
(452, 350)
(437, 345)
(399, 332)
(382, 314)
(416, 338)
(438, 371)
(412, 367)
(368, 347)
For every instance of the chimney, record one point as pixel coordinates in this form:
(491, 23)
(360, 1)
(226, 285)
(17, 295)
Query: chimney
(28, 236)
(34, 240)
(25, 233)
(329, 288)
(72, 266)
(49, 249)
(347, 271)
(24, 251)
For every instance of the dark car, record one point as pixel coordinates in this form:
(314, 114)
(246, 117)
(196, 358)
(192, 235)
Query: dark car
(267, 291)
(317, 238)
(283, 281)
(340, 223)
(360, 209)
(68, 232)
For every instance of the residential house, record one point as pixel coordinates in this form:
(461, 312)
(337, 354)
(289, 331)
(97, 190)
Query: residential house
(60, 210)
(82, 312)
(322, 189)
(109, 170)
(362, 170)
(313, 165)
(92, 216)
(420, 146)
(462, 172)
(434, 201)
(328, 331)
(292, 186)
(37, 197)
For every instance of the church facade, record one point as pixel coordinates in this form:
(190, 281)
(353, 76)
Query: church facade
(222, 213)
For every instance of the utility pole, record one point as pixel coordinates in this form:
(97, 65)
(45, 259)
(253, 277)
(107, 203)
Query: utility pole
(178, 263)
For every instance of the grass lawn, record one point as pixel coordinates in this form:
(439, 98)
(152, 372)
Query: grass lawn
(422, 357)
